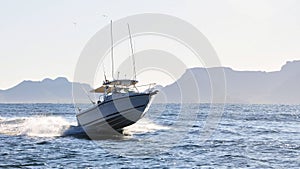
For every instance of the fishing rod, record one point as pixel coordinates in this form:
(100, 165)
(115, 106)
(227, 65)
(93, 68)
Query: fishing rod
(87, 95)
(112, 49)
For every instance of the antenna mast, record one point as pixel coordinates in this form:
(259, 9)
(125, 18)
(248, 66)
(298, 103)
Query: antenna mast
(133, 60)
(112, 47)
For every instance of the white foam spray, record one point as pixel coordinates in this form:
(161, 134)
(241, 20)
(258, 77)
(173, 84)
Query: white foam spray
(35, 126)
(53, 126)
(144, 126)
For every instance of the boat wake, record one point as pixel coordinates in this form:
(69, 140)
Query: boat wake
(35, 126)
(57, 126)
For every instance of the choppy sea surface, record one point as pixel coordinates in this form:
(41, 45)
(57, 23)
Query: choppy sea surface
(169, 136)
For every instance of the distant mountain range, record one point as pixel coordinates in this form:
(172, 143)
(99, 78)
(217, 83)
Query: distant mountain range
(250, 87)
(58, 90)
(278, 87)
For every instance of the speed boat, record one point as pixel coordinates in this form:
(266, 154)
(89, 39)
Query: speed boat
(120, 104)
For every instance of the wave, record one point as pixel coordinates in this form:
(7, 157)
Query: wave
(35, 126)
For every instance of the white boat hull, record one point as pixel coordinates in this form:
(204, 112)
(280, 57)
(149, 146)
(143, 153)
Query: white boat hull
(115, 114)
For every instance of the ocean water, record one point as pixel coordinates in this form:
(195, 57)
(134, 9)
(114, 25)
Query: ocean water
(169, 136)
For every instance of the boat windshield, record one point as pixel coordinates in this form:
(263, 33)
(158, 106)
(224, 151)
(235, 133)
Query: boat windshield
(122, 82)
(123, 90)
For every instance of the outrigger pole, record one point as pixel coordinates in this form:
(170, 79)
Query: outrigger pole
(132, 52)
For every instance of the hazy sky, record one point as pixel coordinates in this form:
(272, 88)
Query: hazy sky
(39, 39)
